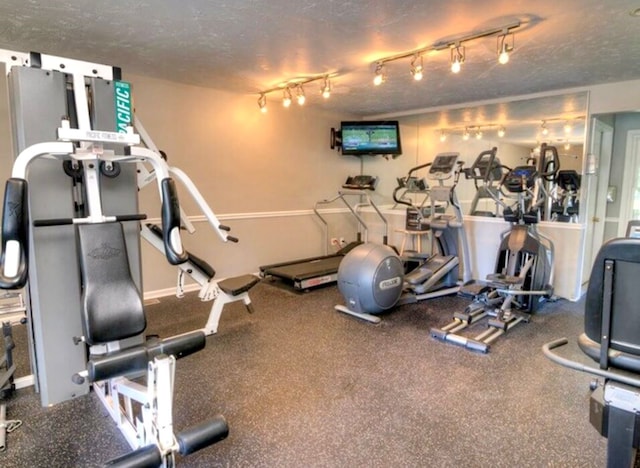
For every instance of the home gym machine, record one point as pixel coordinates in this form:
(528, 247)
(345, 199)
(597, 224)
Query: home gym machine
(77, 244)
(373, 278)
(611, 338)
(524, 265)
(221, 292)
(308, 273)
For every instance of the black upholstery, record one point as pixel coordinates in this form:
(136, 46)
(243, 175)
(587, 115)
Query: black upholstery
(238, 284)
(620, 259)
(112, 306)
(196, 262)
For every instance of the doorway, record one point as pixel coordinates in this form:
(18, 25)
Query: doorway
(630, 196)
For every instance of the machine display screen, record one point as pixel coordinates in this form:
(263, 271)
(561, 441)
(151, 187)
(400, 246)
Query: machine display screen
(444, 163)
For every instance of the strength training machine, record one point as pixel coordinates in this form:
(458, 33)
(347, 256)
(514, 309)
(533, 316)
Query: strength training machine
(221, 292)
(524, 265)
(611, 338)
(89, 229)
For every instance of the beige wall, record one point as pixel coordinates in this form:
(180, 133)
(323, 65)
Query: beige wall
(260, 173)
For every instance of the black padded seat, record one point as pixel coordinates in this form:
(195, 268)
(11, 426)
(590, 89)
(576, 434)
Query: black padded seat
(238, 284)
(112, 305)
(614, 338)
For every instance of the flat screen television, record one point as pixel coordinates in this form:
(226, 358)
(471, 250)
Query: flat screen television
(371, 138)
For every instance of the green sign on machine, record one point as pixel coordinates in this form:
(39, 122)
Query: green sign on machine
(124, 113)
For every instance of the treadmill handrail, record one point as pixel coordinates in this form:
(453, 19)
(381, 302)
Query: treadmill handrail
(372, 205)
(340, 196)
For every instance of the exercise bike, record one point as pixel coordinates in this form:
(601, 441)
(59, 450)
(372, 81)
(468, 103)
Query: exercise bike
(524, 267)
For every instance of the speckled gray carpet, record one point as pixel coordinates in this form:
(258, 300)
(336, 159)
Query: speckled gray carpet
(304, 386)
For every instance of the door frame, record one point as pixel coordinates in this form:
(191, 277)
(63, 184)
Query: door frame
(631, 166)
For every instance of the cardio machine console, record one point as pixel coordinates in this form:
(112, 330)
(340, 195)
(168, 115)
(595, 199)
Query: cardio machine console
(520, 178)
(361, 182)
(443, 166)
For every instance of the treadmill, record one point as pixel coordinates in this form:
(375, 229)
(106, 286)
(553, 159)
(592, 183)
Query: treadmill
(308, 273)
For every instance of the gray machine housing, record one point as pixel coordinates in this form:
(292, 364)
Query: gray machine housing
(370, 278)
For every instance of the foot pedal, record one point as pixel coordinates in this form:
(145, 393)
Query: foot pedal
(439, 334)
(203, 435)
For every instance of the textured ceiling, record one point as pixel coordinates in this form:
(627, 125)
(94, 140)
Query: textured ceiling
(246, 46)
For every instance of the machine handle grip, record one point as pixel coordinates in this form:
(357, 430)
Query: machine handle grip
(222, 227)
(174, 251)
(232, 239)
(15, 235)
(146, 456)
(66, 221)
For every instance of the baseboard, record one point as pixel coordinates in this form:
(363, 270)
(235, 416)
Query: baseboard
(158, 293)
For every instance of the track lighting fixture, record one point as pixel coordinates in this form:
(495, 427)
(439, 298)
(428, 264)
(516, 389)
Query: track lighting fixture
(457, 58)
(300, 97)
(457, 50)
(379, 77)
(296, 85)
(417, 69)
(286, 97)
(262, 103)
(326, 88)
(505, 46)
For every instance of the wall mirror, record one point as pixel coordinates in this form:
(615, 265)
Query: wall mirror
(516, 128)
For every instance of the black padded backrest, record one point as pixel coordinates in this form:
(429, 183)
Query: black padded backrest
(112, 306)
(624, 257)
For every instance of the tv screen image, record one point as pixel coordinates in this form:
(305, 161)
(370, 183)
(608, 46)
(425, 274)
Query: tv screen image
(370, 138)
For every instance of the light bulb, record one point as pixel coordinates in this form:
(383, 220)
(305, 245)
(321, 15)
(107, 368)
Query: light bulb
(262, 103)
(456, 66)
(567, 146)
(286, 97)
(567, 128)
(326, 88)
(457, 57)
(478, 135)
(379, 78)
(417, 69)
(501, 132)
(544, 129)
(300, 97)
(503, 58)
(465, 135)
(443, 136)
(505, 46)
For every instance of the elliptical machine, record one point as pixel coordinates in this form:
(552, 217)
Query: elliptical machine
(524, 266)
(372, 277)
(486, 173)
